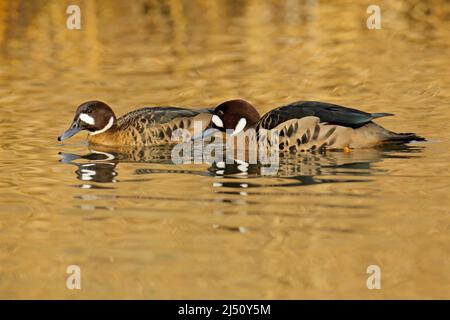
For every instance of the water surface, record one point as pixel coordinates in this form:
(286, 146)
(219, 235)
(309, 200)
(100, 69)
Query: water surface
(142, 227)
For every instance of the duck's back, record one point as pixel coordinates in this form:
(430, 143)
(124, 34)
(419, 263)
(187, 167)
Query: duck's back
(155, 125)
(151, 116)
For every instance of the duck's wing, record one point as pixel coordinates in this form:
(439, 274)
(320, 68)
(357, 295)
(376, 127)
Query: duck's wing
(307, 133)
(156, 125)
(152, 116)
(326, 112)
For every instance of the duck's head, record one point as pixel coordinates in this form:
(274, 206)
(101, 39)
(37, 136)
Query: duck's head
(94, 116)
(236, 115)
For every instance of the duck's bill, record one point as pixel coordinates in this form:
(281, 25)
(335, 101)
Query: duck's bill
(68, 157)
(205, 134)
(73, 130)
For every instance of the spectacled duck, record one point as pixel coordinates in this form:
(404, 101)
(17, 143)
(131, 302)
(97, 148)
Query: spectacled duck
(146, 126)
(308, 125)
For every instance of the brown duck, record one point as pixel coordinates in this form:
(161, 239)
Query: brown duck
(146, 126)
(309, 125)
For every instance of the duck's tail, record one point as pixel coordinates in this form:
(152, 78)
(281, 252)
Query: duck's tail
(399, 138)
(391, 137)
(381, 115)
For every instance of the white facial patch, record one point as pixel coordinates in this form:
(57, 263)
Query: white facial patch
(217, 121)
(106, 128)
(240, 126)
(87, 119)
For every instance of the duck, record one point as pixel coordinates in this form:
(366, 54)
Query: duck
(307, 126)
(141, 127)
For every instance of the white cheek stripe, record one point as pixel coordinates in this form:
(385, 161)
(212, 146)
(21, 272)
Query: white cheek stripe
(217, 121)
(239, 127)
(87, 119)
(106, 128)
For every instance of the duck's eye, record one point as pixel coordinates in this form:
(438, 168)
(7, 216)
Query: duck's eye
(220, 113)
(89, 111)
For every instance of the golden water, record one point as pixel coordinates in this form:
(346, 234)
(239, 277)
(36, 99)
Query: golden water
(148, 229)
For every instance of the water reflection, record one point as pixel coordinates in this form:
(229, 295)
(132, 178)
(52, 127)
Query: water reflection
(234, 185)
(100, 166)
(300, 169)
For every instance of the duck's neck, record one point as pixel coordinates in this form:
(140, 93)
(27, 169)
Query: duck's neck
(107, 138)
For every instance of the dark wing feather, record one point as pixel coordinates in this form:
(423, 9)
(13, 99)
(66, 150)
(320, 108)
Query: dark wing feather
(159, 115)
(326, 112)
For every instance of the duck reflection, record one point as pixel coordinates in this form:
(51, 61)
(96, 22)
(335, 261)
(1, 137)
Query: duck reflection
(100, 166)
(233, 182)
(296, 169)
